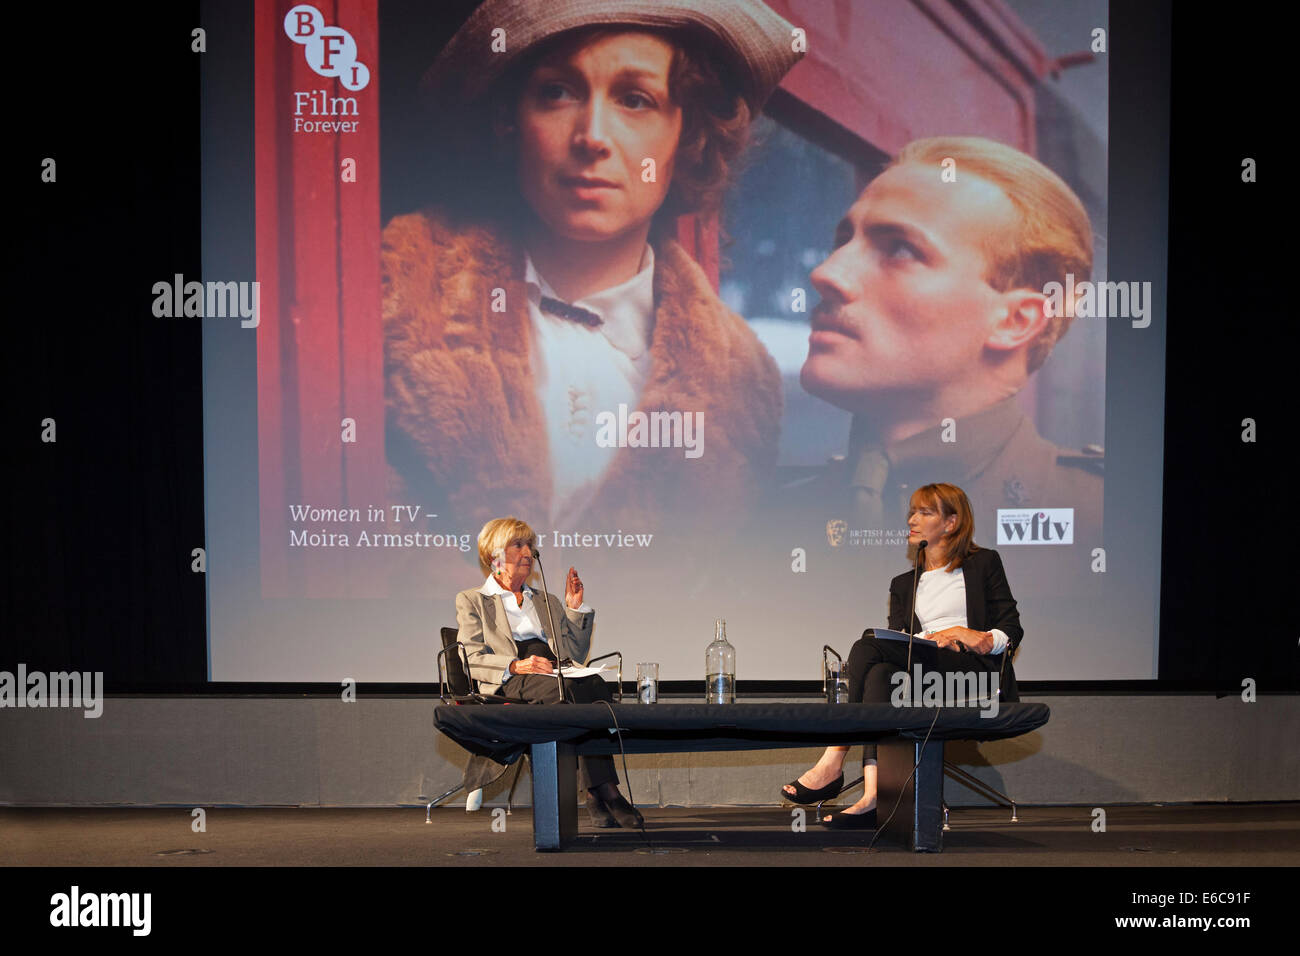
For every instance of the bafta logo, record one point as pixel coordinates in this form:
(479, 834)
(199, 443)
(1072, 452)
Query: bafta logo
(835, 531)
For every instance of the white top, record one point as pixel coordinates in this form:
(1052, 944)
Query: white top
(525, 625)
(941, 603)
(525, 622)
(580, 371)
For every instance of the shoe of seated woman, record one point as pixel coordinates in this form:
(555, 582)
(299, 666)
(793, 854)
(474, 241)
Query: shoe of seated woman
(850, 821)
(599, 813)
(628, 817)
(803, 795)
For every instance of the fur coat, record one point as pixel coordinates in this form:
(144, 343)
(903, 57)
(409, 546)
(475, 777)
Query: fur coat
(465, 430)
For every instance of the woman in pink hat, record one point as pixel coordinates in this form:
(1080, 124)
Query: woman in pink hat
(544, 303)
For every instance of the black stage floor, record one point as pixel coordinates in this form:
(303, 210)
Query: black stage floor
(1193, 835)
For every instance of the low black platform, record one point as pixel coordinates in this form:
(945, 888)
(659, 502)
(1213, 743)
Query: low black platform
(910, 746)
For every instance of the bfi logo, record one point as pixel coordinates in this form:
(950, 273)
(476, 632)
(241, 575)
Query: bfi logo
(1037, 526)
(330, 51)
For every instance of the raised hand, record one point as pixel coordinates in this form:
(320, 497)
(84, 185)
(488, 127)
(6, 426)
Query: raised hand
(573, 590)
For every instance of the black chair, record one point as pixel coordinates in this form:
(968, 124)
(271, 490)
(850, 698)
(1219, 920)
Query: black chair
(459, 687)
(966, 779)
(970, 781)
(453, 674)
(456, 686)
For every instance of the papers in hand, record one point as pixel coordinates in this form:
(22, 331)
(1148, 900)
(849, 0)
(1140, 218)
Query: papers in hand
(574, 672)
(885, 634)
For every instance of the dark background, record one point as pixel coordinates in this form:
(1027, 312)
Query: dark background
(102, 523)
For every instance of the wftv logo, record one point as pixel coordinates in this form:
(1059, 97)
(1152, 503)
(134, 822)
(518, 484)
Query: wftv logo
(330, 51)
(1046, 526)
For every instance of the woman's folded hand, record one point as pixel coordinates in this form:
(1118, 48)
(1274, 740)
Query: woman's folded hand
(531, 665)
(979, 642)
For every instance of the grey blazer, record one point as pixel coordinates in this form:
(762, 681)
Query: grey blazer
(490, 646)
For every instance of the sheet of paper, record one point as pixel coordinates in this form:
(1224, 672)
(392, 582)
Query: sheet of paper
(587, 671)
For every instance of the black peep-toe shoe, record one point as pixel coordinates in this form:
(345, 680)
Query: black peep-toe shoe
(803, 795)
(850, 821)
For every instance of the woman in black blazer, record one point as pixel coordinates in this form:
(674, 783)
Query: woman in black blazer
(964, 605)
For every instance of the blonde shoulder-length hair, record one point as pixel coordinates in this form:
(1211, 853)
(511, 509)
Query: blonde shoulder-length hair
(498, 533)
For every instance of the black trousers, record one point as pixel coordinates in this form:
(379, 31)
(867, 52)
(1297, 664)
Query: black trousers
(872, 664)
(543, 689)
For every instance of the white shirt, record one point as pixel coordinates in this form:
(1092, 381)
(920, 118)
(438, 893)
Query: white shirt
(580, 372)
(525, 625)
(941, 603)
(525, 622)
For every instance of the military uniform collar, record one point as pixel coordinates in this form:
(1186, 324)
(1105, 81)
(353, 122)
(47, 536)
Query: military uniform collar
(980, 439)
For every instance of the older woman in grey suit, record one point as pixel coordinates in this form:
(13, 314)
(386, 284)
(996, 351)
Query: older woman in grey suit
(503, 627)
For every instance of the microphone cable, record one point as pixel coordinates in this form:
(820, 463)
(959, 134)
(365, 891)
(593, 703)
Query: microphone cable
(554, 636)
(618, 731)
(916, 766)
(916, 567)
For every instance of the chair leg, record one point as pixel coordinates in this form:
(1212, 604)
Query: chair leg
(433, 803)
(850, 786)
(843, 790)
(974, 783)
(945, 816)
(511, 795)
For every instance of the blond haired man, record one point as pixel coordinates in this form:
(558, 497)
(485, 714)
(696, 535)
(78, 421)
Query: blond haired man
(932, 308)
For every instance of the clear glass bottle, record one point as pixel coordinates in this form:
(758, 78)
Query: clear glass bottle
(720, 668)
(834, 682)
